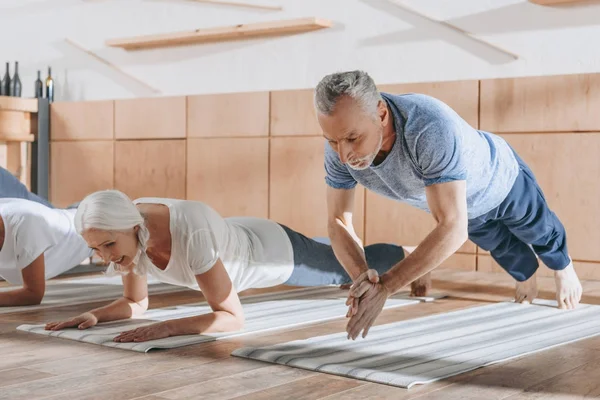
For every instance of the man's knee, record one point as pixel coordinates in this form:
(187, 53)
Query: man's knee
(383, 256)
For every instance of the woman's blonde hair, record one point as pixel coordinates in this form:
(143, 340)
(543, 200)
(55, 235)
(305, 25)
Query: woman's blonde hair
(113, 210)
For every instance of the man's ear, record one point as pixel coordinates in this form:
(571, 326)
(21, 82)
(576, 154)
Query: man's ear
(384, 114)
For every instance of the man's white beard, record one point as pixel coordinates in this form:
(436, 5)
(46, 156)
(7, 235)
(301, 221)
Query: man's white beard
(367, 160)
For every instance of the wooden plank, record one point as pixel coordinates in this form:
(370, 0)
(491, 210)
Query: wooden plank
(150, 118)
(16, 123)
(297, 186)
(240, 4)
(16, 137)
(210, 115)
(235, 32)
(461, 96)
(78, 169)
(391, 221)
(230, 175)
(82, 120)
(18, 104)
(293, 113)
(151, 168)
(559, 103)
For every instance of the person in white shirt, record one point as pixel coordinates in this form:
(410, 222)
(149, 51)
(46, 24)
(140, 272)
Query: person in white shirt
(37, 243)
(187, 243)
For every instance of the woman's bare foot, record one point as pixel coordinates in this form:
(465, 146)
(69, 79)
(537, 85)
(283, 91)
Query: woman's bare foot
(526, 291)
(568, 288)
(421, 286)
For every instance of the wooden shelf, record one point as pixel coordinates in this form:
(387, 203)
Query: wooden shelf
(18, 104)
(237, 32)
(14, 137)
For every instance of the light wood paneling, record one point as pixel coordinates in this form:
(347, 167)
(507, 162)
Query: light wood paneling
(151, 168)
(541, 104)
(151, 118)
(231, 114)
(82, 120)
(293, 113)
(17, 123)
(567, 167)
(230, 175)
(392, 221)
(585, 270)
(461, 96)
(298, 189)
(78, 169)
(462, 261)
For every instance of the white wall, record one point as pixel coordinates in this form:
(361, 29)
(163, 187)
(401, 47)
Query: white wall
(374, 35)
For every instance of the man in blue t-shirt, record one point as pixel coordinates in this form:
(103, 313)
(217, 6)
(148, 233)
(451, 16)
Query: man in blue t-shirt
(415, 149)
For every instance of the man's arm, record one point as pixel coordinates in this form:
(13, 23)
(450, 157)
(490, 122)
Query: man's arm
(34, 286)
(347, 246)
(448, 204)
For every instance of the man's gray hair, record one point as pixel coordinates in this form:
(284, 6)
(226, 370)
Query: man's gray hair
(358, 85)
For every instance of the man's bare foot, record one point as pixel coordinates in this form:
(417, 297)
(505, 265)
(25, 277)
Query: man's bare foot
(526, 291)
(568, 287)
(421, 286)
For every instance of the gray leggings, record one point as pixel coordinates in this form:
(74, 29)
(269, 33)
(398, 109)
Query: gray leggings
(315, 264)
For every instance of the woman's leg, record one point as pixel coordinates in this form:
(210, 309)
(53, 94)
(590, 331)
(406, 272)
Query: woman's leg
(315, 263)
(11, 187)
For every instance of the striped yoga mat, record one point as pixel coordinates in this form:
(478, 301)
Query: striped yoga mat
(428, 349)
(265, 312)
(66, 292)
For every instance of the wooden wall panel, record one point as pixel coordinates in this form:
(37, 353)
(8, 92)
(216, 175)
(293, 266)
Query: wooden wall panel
(17, 123)
(152, 118)
(78, 168)
(395, 222)
(231, 114)
(151, 168)
(462, 96)
(293, 113)
(230, 175)
(82, 120)
(585, 270)
(297, 186)
(541, 104)
(567, 167)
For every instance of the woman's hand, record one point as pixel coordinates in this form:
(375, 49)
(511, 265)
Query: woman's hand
(83, 321)
(151, 332)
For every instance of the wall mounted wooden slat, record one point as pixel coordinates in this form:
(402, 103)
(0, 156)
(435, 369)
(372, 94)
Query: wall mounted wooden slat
(220, 34)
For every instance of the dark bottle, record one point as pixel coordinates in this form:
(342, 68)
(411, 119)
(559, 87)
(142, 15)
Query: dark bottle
(50, 86)
(39, 86)
(6, 82)
(16, 87)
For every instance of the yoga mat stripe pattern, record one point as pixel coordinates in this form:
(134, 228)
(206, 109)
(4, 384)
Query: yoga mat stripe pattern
(86, 290)
(428, 349)
(263, 313)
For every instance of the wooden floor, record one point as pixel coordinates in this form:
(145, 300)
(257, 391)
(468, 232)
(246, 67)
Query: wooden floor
(37, 367)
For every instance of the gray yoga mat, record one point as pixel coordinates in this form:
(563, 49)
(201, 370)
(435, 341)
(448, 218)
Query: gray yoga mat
(428, 349)
(86, 290)
(265, 312)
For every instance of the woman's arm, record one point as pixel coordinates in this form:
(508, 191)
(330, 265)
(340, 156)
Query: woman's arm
(133, 303)
(227, 315)
(34, 286)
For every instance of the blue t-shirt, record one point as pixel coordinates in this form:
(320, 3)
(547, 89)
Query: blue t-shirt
(433, 145)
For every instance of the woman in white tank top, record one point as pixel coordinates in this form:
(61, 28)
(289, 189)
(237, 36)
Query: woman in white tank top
(189, 244)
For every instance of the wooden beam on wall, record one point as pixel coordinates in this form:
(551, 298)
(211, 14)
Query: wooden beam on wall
(227, 33)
